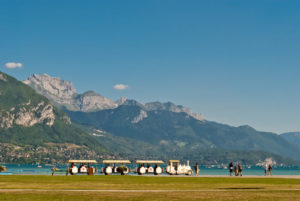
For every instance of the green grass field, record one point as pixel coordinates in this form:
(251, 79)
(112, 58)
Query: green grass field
(146, 188)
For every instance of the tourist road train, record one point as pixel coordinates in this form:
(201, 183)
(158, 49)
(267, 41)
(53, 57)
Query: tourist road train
(123, 167)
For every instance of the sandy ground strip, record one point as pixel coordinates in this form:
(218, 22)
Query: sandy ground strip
(223, 176)
(227, 176)
(140, 191)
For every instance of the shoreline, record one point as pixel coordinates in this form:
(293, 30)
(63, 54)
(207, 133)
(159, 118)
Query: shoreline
(175, 176)
(244, 176)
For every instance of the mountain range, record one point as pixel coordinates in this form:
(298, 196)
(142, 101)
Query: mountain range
(30, 124)
(156, 127)
(48, 121)
(292, 137)
(63, 94)
(178, 132)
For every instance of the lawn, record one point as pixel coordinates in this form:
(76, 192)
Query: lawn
(146, 188)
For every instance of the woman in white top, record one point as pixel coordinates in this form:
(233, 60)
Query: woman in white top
(266, 169)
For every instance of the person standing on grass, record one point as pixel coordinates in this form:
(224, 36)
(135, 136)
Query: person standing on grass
(236, 169)
(53, 170)
(270, 169)
(230, 168)
(266, 169)
(196, 167)
(240, 169)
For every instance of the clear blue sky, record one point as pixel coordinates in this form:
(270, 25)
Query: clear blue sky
(235, 61)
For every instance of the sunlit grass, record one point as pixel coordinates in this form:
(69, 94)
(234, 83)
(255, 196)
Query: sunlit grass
(206, 188)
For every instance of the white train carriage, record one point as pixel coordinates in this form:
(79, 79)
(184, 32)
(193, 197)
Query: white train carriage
(175, 168)
(116, 166)
(146, 167)
(84, 167)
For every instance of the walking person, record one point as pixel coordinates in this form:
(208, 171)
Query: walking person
(266, 169)
(53, 170)
(240, 169)
(270, 169)
(196, 167)
(230, 168)
(236, 169)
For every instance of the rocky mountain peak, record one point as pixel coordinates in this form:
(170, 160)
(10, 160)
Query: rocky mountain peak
(53, 87)
(62, 93)
(131, 102)
(91, 101)
(154, 106)
(169, 106)
(121, 100)
(90, 93)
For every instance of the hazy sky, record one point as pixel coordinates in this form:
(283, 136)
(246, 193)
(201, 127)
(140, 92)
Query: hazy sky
(237, 62)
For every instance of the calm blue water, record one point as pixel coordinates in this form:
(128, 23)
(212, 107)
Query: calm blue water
(47, 170)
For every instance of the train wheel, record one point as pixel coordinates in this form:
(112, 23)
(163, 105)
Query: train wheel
(141, 170)
(158, 170)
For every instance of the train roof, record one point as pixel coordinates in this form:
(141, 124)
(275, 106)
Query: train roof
(82, 161)
(174, 161)
(150, 161)
(116, 161)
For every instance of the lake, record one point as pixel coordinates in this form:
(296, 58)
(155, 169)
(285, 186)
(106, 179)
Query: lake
(29, 169)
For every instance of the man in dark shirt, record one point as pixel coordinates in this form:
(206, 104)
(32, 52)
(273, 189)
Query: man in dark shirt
(230, 168)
